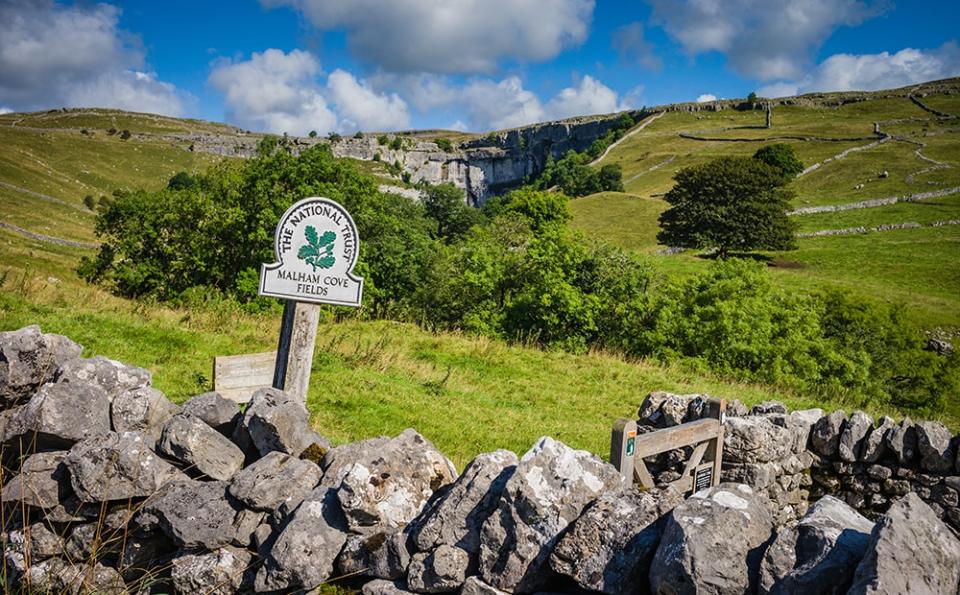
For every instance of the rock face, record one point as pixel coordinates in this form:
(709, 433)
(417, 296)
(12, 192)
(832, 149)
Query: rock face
(111, 376)
(388, 482)
(43, 481)
(117, 467)
(828, 543)
(306, 549)
(29, 359)
(145, 410)
(219, 413)
(712, 543)
(219, 572)
(826, 433)
(276, 421)
(61, 415)
(275, 479)
(549, 489)
(610, 547)
(203, 449)
(910, 551)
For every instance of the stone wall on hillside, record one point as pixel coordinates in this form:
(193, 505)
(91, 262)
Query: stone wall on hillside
(798, 457)
(110, 488)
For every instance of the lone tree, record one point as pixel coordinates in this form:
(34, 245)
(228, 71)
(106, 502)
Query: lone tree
(782, 157)
(731, 203)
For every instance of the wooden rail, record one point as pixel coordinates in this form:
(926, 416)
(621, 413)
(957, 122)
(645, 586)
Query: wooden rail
(628, 449)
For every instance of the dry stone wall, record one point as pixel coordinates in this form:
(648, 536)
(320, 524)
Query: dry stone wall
(109, 488)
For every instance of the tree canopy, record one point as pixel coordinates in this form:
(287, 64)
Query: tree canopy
(729, 204)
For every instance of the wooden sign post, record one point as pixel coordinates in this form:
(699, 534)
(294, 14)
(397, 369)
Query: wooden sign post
(316, 246)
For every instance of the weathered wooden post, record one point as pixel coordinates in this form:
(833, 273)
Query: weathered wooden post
(316, 246)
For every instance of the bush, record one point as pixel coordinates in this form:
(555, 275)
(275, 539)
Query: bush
(447, 206)
(181, 181)
(90, 202)
(444, 144)
(383, 140)
(313, 134)
(358, 135)
(333, 137)
(396, 144)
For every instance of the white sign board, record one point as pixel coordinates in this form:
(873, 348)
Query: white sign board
(316, 246)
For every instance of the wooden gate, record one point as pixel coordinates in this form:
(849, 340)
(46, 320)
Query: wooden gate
(628, 449)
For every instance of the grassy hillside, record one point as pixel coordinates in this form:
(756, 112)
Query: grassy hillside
(379, 377)
(921, 154)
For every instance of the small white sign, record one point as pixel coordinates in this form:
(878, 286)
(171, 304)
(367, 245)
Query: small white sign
(316, 244)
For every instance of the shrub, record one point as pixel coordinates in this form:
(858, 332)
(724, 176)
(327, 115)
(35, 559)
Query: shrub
(444, 144)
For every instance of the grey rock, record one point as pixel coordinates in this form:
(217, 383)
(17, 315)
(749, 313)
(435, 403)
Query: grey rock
(388, 487)
(58, 416)
(755, 439)
(935, 447)
(756, 475)
(610, 547)
(276, 479)
(43, 481)
(203, 449)
(29, 359)
(549, 489)
(875, 446)
(650, 407)
(736, 408)
(277, 421)
(831, 540)
(117, 466)
(56, 575)
(825, 435)
(384, 587)
(458, 516)
(41, 542)
(91, 540)
(111, 376)
(378, 555)
(144, 552)
(219, 413)
(712, 542)
(474, 585)
(854, 435)
(219, 572)
(196, 514)
(778, 560)
(902, 441)
(145, 410)
(444, 569)
(768, 407)
(663, 409)
(303, 555)
(910, 551)
(801, 423)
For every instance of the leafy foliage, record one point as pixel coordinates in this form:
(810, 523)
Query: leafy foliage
(728, 204)
(444, 144)
(782, 157)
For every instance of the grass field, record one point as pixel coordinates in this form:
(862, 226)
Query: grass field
(471, 394)
(920, 268)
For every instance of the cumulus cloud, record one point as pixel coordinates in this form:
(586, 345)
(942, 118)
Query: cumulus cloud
(630, 42)
(276, 91)
(361, 107)
(53, 55)
(504, 104)
(454, 36)
(424, 91)
(762, 39)
(5, 110)
(706, 98)
(869, 72)
(589, 96)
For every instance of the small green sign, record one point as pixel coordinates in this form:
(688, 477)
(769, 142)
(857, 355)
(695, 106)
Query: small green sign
(631, 442)
(318, 251)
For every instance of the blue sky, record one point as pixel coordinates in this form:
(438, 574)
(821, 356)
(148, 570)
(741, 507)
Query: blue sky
(342, 65)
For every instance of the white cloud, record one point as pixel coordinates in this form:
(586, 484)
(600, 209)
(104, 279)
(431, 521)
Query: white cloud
(869, 72)
(504, 104)
(425, 91)
(275, 92)
(590, 96)
(459, 126)
(363, 108)
(53, 55)
(630, 42)
(706, 98)
(452, 36)
(5, 110)
(762, 39)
